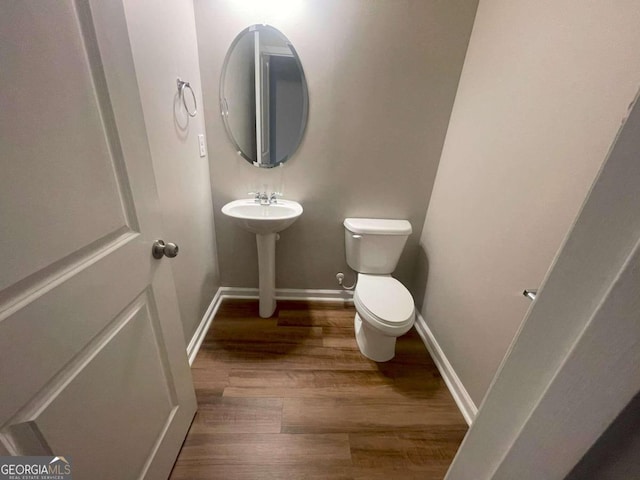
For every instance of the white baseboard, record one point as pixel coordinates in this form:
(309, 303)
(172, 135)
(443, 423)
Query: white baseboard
(459, 393)
(236, 292)
(203, 327)
(290, 294)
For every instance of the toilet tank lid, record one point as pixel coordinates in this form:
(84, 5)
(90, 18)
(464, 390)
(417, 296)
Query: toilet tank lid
(378, 226)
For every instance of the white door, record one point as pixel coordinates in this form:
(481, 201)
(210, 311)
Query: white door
(93, 362)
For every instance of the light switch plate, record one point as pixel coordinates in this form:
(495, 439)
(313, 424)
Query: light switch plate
(203, 148)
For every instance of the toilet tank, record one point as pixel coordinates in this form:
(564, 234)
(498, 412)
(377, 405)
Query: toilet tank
(374, 245)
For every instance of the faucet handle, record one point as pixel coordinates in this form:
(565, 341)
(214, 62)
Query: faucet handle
(260, 197)
(273, 198)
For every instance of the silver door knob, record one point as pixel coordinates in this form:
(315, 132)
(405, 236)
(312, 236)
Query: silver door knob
(161, 249)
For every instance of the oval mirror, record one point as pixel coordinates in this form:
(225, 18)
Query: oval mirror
(263, 96)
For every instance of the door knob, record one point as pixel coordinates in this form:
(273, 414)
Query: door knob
(167, 249)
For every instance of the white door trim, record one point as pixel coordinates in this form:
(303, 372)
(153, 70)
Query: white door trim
(575, 362)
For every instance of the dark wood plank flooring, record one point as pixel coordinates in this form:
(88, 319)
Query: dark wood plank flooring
(291, 397)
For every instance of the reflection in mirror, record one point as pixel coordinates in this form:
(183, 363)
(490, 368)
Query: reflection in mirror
(263, 96)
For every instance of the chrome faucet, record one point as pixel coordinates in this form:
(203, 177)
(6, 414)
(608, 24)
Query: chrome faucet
(273, 198)
(263, 199)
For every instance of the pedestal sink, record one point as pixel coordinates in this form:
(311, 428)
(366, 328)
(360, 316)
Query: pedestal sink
(265, 220)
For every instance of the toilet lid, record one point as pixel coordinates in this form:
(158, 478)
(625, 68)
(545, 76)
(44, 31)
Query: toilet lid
(385, 298)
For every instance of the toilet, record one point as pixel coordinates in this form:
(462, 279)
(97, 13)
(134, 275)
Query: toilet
(384, 307)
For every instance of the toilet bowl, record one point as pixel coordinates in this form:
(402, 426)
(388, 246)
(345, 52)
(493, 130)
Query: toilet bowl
(384, 311)
(384, 307)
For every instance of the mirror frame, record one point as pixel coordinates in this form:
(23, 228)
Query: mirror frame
(222, 99)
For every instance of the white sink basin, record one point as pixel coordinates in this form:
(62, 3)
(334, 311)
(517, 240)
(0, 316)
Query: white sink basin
(263, 219)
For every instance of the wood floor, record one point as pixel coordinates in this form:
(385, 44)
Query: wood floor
(291, 397)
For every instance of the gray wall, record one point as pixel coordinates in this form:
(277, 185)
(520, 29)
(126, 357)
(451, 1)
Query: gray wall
(382, 78)
(544, 88)
(164, 46)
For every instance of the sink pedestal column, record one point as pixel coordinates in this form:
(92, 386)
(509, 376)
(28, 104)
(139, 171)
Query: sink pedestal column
(267, 272)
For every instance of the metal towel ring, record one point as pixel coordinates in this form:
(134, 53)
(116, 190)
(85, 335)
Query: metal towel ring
(181, 86)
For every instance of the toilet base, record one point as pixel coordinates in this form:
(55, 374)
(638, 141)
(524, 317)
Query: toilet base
(373, 344)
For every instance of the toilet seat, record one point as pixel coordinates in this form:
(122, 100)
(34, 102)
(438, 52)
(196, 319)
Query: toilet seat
(384, 300)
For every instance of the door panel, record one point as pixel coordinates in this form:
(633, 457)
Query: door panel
(60, 155)
(127, 356)
(92, 357)
(46, 331)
